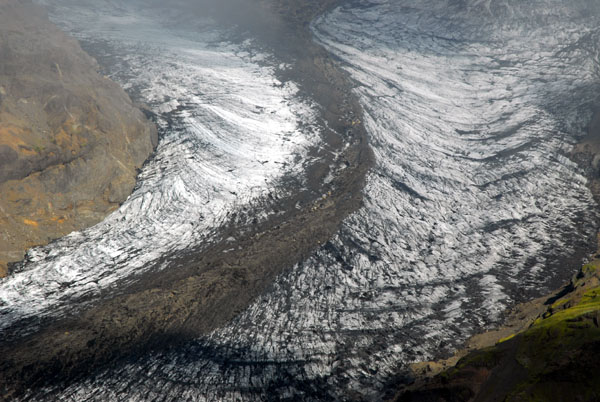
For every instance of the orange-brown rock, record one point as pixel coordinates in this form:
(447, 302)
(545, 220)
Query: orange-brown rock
(71, 141)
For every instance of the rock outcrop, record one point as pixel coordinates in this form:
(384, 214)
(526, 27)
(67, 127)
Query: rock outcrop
(71, 141)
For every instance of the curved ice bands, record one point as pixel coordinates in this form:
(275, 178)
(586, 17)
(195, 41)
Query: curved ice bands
(230, 131)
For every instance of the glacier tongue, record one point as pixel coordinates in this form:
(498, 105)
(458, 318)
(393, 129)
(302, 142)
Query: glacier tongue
(230, 130)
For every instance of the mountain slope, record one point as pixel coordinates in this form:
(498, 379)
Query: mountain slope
(71, 141)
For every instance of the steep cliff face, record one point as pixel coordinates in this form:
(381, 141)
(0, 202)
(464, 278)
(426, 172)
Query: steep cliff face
(70, 140)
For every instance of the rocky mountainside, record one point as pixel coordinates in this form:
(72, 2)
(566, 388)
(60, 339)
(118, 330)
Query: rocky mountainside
(71, 140)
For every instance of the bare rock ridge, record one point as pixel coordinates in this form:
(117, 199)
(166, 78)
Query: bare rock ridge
(71, 140)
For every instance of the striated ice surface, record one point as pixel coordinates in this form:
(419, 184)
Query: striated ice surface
(471, 106)
(229, 132)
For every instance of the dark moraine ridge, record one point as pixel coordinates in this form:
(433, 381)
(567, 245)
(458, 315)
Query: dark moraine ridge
(204, 290)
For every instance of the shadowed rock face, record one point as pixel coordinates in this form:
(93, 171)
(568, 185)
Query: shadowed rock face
(70, 140)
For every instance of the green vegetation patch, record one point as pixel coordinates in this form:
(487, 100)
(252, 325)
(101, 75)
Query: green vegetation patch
(591, 267)
(484, 358)
(589, 303)
(558, 353)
